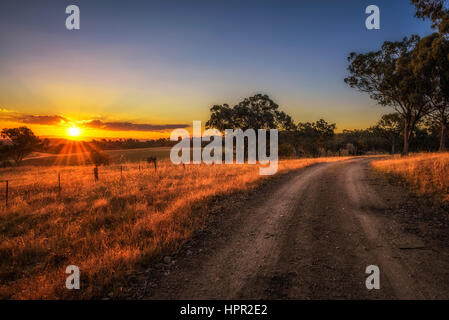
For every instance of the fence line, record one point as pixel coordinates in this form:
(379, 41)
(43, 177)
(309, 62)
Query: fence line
(149, 161)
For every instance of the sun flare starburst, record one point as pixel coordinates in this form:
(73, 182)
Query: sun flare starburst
(74, 132)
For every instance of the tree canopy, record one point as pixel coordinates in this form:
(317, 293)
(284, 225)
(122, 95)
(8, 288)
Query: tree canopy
(22, 142)
(388, 77)
(430, 63)
(256, 112)
(435, 11)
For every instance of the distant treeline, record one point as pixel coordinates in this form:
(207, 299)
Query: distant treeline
(313, 139)
(58, 146)
(319, 139)
(107, 144)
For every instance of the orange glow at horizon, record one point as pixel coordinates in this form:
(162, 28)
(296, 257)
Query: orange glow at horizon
(85, 133)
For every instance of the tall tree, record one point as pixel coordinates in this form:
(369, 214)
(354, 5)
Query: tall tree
(434, 10)
(430, 61)
(387, 76)
(256, 112)
(22, 142)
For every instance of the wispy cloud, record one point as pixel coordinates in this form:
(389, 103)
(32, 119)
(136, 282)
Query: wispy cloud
(129, 126)
(43, 120)
(9, 115)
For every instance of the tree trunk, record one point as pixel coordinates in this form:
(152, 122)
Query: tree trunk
(406, 137)
(443, 137)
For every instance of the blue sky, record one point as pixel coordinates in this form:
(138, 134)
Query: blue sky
(169, 61)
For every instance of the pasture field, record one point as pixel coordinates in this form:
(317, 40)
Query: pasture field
(428, 173)
(78, 158)
(108, 228)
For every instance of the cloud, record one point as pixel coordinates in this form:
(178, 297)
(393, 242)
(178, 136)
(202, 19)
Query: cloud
(129, 126)
(42, 120)
(9, 115)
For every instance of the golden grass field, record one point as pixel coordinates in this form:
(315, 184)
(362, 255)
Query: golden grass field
(80, 156)
(429, 172)
(107, 228)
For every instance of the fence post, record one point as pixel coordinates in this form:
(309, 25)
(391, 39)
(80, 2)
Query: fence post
(59, 183)
(6, 191)
(96, 173)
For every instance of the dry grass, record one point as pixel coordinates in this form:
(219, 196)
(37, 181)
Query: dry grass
(429, 173)
(108, 228)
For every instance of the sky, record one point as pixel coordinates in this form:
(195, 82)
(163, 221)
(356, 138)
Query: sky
(141, 68)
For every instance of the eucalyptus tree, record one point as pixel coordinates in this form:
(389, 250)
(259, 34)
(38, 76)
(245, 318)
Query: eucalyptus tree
(22, 142)
(256, 112)
(388, 77)
(434, 10)
(430, 62)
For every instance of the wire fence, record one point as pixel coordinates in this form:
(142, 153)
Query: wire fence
(6, 184)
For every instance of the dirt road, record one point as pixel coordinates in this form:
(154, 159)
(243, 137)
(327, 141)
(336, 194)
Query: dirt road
(311, 235)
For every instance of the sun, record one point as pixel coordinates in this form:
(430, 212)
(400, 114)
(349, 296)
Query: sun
(74, 132)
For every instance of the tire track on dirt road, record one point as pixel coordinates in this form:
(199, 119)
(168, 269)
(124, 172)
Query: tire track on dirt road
(310, 236)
